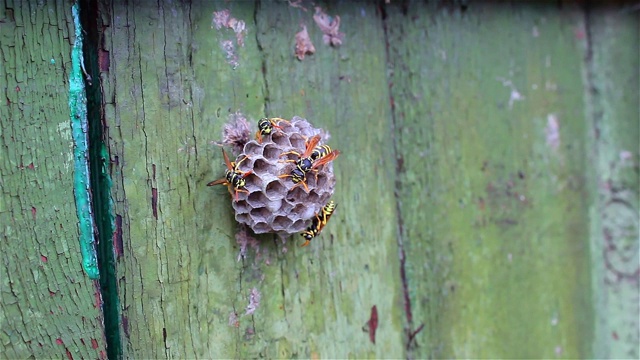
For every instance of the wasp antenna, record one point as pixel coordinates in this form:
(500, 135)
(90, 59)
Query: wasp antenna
(222, 181)
(227, 162)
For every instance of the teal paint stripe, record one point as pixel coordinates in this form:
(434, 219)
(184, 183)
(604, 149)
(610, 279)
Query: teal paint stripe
(79, 128)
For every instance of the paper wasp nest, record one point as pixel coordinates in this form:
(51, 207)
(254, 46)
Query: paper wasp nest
(273, 205)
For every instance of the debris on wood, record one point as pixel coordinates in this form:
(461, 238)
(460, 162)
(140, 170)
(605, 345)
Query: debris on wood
(330, 27)
(297, 4)
(304, 46)
(236, 132)
(254, 301)
(246, 241)
(224, 19)
(233, 319)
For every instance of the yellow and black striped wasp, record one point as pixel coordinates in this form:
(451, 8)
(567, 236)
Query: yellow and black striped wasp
(233, 176)
(318, 223)
(313, 157)
(266, 126)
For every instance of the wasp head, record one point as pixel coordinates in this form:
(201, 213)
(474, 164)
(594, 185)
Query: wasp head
(265, 126)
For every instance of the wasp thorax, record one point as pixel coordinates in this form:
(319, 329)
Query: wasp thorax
(275, 202)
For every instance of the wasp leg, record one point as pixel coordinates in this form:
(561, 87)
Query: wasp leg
(307, 242)
(277, 120)
(316, 171)
(239, 162)
(304, 183)
(290, 152)
(240, 190)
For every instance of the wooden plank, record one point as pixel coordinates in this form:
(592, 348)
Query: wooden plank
(48, 305)
(613, 91)
(330, 287)
(490, 126)
(173, 88)
(175, 80)
(487, 138)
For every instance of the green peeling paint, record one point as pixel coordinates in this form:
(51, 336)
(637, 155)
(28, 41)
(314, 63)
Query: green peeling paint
(78, 114)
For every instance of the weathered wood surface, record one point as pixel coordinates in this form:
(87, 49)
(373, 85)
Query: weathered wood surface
(492, 126)
(465, 137)
(180, 280)
(613, 98)
(49, 308)
(487, 190)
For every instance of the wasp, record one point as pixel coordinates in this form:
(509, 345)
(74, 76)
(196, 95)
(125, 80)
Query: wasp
(313, 157)
(318, 223)
(266, 126)
(233, 176)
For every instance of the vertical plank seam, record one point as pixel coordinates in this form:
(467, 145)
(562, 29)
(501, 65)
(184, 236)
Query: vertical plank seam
(267, 98)
(396, 191)
(100, 183)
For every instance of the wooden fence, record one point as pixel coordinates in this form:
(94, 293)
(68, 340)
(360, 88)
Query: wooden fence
(488, 186)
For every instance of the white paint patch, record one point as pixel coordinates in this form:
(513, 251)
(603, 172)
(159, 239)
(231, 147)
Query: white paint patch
(558, 350)
(550, 86)
(230, 53)
(515, 94)
(626, 155)
(552, 131)
(223, 19)
(64, 129)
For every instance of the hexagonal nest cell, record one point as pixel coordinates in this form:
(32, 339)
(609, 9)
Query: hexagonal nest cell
(273, 204)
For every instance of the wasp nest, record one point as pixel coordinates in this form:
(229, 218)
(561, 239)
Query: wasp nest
(273, 204)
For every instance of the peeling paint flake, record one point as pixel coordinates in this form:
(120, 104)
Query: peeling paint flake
(330, 27)
(304, 46)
